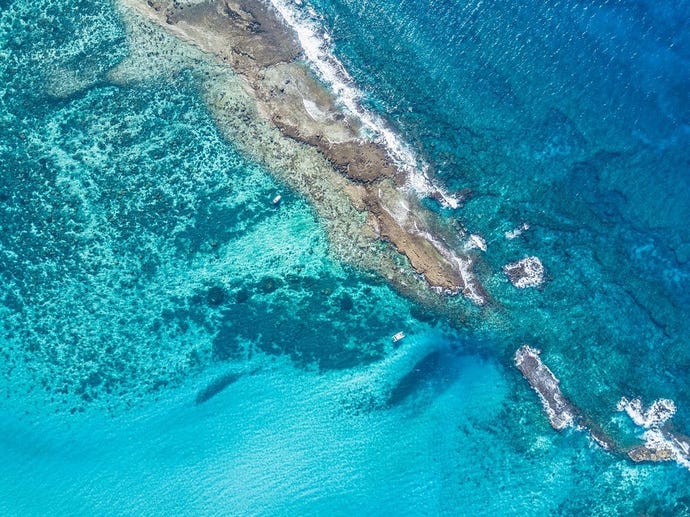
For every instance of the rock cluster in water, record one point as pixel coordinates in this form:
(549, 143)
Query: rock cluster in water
(661, 441)
(560, 411)
(528, 272)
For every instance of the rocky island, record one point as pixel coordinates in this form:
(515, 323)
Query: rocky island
(560, 411)
(370, 192)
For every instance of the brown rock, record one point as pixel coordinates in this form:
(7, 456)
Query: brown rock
(644, 453)
(250, 37)
(365, 161)
(247, 28)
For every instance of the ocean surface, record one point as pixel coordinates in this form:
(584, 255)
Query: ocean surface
(172, 343)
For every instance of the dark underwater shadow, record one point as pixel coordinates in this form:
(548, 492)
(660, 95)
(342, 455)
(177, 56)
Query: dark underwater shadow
(217, 386)
(429, 378)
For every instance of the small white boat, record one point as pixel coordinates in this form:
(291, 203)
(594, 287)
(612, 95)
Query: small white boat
(397, 337)
(277, 199)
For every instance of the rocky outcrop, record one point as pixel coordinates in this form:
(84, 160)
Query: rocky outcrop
(663, 445)
(560, 411)
(252, 39)
(661, 441)
(528, 272)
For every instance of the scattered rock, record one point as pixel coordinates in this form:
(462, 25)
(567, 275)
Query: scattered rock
(528, 272)
(661, 441)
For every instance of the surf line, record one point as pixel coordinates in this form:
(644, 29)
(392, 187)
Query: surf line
(284, 63)
(316, 45)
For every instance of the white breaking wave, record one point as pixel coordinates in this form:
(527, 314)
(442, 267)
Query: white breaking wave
(528, 272)
(316, 45)
(516, 232)
(654, 416)
(462, 265)
(660, 442)
(475, 242)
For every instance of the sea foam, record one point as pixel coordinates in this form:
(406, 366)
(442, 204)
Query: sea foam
(528, 272)
(316, 44)
(655, 415)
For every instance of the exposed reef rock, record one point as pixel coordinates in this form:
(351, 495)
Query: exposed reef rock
(661, 441)
(252, 39)
(663, 445)
(528, 272)
(560, 411)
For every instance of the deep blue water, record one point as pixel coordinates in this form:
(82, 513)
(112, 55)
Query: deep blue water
(173, 344)
(572, 117)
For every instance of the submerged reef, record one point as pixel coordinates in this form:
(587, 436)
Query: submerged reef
(346, 163)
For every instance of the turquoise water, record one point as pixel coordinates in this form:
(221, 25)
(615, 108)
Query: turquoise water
(175, 344)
